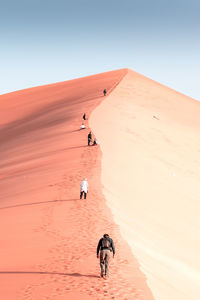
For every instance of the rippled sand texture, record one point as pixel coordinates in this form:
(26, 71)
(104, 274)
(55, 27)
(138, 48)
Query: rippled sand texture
(149, 137)
(48, 236)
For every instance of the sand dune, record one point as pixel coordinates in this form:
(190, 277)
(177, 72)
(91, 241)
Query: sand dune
(48, 236)
(149, 136)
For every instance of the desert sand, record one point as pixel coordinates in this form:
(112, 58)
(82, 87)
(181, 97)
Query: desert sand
(48, 236)
(149, 137)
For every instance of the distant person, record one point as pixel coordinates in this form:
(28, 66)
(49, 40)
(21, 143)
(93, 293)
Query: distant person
(105, 246)
(84, 188)
(82, 126)
(105, 92)
(84, 117)
(95, 143)
(89, 138)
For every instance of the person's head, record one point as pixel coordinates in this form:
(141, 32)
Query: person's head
(85, 179)
(106, 235)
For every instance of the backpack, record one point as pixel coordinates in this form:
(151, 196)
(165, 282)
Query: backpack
(105, 243)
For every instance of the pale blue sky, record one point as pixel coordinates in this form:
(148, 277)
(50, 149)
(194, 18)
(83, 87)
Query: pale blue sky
(45, 41)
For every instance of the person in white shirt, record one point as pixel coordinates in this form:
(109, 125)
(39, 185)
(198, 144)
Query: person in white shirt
(82, 126)
(84, 188)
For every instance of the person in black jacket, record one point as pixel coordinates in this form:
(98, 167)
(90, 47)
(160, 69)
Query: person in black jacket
(105, 246)
(89, 138)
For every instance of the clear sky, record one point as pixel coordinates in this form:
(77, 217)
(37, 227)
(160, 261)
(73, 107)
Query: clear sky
(46, 41)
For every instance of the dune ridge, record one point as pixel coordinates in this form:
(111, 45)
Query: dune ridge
(48, 236)
(150, 173)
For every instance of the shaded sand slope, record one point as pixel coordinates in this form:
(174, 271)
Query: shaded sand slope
(48, 236)
(149, 136)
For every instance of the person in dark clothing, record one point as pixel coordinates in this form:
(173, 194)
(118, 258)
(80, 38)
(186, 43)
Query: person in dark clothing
(89, 138)
(95, 143)
(105, 246)
(84, 117)
(104, 92)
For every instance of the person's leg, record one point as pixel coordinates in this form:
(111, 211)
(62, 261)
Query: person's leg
(107, 261)
(85, 195)
(81, 194)
(102, 257)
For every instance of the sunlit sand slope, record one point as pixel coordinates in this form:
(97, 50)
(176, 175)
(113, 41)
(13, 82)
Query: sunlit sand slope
(149, 136)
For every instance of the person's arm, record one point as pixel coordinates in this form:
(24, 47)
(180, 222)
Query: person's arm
(113, 247)
(98, 247)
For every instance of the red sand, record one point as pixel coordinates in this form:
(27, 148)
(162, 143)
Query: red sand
(48, 236)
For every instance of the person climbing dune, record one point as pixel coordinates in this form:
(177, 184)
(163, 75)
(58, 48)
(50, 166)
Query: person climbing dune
(84, 188)
(95, 143)
(89, 138)
(105, 246)
(82, 126)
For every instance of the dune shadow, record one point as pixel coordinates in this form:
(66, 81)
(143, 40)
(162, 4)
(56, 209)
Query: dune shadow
(75, 130)
(76, 147)
(37, 203)
(50, 273)
(40, 155)
(49, 115)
